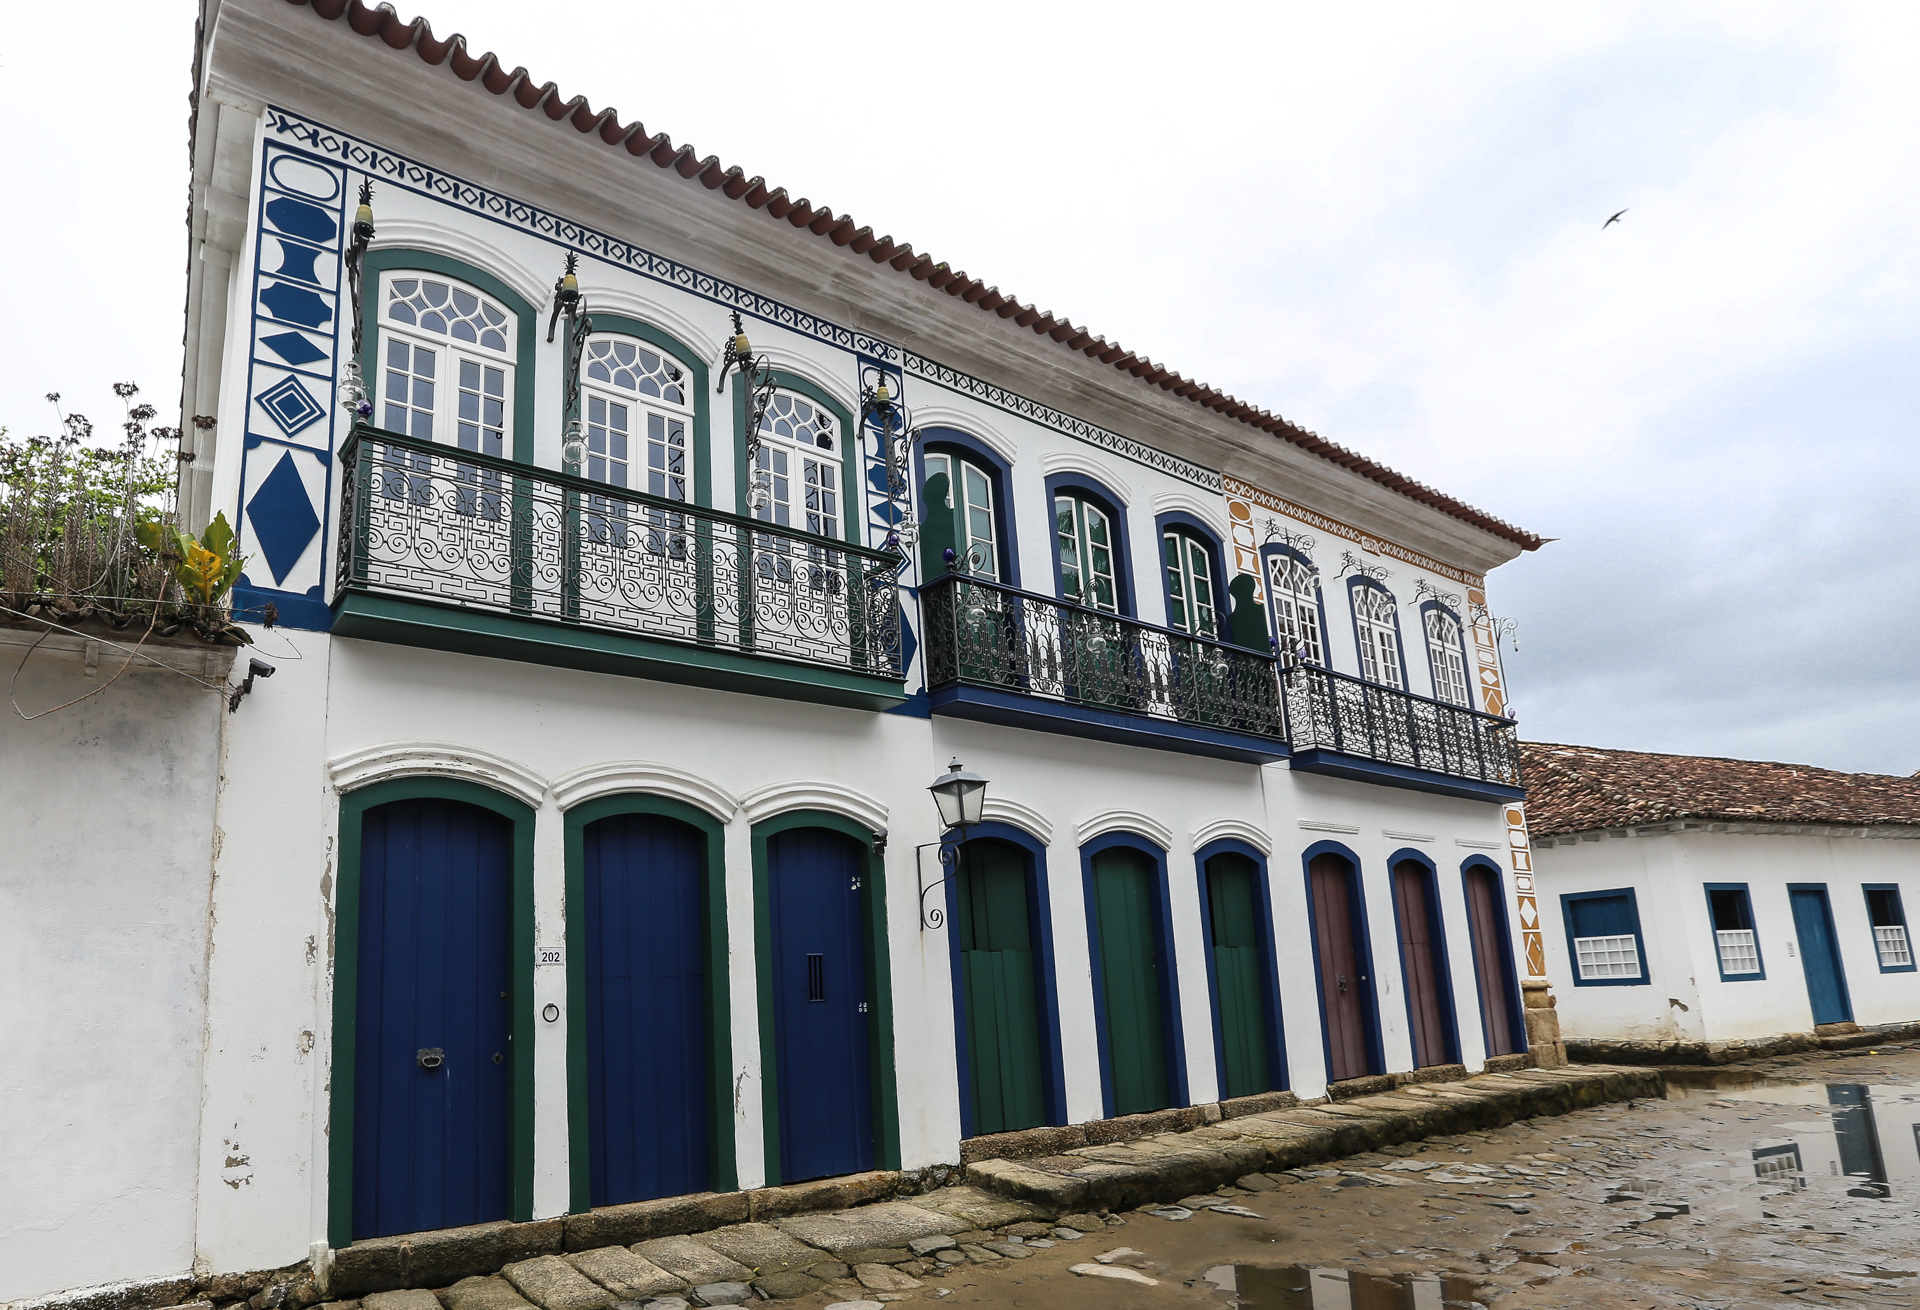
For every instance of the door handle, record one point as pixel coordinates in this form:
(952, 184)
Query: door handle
(430, 1057)
(1343, 983)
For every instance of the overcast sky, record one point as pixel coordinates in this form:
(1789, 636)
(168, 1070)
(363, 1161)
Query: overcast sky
(1382, 221)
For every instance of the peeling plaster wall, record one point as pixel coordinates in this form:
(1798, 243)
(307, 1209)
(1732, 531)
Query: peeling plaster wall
(107, 813)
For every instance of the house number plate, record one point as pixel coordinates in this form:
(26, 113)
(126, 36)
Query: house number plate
(550, 955)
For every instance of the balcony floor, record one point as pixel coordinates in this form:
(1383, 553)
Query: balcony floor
(1359, 768)
(408, 622)
(1014, 710)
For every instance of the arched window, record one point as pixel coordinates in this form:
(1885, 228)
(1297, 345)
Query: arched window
(1084, 537)
(798, 469)
(1294, 588)
(1446, 655)
(1378, 628)
(638, 412)
(1190, 598)
(447, 370)
(447, 376)
(970, 497)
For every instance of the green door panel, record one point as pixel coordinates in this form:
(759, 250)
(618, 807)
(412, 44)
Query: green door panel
(1123, 890)
(1000, 990)
(1237, 974)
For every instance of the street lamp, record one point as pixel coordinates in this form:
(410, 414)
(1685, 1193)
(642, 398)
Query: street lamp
(962, 801)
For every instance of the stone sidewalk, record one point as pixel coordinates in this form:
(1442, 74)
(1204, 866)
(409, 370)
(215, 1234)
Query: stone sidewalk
(777, 1243)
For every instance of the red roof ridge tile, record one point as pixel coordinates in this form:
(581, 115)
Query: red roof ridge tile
(383, 22)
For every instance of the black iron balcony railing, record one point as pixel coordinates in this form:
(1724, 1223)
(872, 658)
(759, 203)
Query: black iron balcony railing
(984, 634)
(1336, 712)
(434, 523)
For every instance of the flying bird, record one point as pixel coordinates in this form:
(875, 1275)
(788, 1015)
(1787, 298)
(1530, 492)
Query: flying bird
(1610, 222)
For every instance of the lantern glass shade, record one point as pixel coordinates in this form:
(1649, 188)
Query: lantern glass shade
(961, 796)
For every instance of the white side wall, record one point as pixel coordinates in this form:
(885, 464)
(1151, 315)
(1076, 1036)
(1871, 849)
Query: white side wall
(1669, 873)
(107, 813)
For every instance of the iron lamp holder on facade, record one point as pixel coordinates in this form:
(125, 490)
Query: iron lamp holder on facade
(566, 301)
(962, 799)
(353, 388)
(756, 377)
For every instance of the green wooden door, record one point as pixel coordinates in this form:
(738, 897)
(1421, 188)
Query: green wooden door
(1238, 978)
(1123, 892)
(1000, 989)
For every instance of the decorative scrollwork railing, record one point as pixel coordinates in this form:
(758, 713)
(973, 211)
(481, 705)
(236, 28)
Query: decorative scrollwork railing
(1337, 712)
(988, 635)
(455, 527)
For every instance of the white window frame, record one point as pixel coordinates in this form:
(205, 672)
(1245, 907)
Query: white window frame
(1604, 958)
(1892, 945)
(640, 471)
(1377, 625)
(452, 352)
(1294, 588)
(1739, 951)
(970, 494)
(1188, 589)
(1075, 547)
(786, 464)
(1446, 657)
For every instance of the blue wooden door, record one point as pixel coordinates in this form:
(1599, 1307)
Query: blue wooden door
(824, 1073)
(648, 1058)
(431, 1056)
(1820, 956)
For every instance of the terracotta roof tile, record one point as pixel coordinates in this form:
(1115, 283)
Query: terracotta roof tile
(382, 23)
(1581, 788)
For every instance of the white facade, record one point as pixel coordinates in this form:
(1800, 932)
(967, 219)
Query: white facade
(1683, 993)
(473, 191)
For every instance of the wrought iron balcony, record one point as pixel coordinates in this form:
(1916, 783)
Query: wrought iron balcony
(1346, 726)
(592, 567)
(997, 653)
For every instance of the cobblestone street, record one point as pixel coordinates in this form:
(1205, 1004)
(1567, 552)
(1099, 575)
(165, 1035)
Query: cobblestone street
(1793, 1181)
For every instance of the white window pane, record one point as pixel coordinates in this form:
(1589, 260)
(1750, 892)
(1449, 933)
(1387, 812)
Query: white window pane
(1739, 953)
(1891, 941)
(1607, 957)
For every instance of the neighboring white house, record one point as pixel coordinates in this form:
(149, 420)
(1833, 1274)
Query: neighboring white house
(580, 850)
(1706, 901)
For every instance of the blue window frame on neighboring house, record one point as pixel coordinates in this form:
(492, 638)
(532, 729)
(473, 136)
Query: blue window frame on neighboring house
(1892, 946)
(1603, 938)
(1736, 943)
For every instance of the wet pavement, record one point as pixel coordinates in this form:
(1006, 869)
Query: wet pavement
(1793, 1181)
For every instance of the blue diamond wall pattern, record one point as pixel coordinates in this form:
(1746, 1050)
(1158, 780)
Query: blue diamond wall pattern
(282, 517)
(293, 348)
(291, 406)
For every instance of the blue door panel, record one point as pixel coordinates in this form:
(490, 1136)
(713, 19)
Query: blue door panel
(1820, 956)
(820, 1000)
(431, 1146)
(648, 1091)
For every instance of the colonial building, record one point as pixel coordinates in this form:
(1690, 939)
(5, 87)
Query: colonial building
(1711, 903)
(636, 543)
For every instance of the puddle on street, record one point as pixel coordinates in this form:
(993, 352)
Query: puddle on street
(1794, 1184)
(1307, 1287)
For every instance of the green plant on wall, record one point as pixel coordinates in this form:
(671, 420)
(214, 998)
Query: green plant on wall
(206, 566)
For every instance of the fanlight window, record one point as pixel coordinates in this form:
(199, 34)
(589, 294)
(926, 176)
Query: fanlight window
(1085, 541)
(1444, 652)
(1295, 591)
(798, 468)
(1189, 584)
(448, 310)
(1379, 632)
(970, 494)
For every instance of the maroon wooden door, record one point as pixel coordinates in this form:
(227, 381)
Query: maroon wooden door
(1420, 961)
(1492, 960)
(1343, 988)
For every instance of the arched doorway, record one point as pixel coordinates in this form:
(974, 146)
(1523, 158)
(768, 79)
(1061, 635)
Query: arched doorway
(1000, 988)
(1423, 964)
(1343, 965)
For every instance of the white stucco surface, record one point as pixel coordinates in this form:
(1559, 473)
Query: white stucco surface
(1685, 997)
(106, 818)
